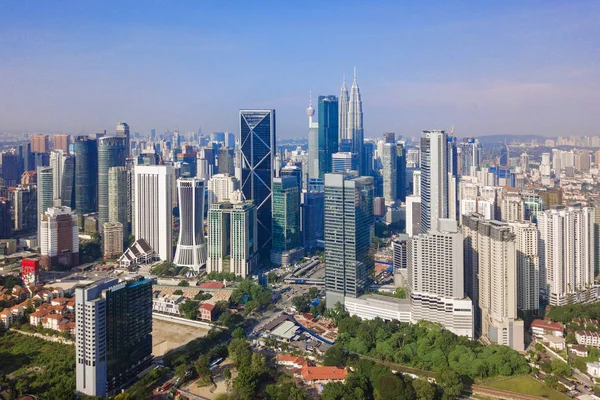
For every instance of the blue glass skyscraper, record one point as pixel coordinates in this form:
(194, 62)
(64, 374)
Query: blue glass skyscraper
(328, 132)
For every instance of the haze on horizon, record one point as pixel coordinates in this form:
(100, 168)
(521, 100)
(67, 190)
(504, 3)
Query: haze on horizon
(486, 68)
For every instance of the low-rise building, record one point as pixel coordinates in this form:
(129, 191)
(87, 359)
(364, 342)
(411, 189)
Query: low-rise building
(166, 303)
(588, 338)
(593, 369)
(207, 311)
(579, 350)
(384, 307)
(322, 375)
(539, 328)
(554, 342)
(291, 361)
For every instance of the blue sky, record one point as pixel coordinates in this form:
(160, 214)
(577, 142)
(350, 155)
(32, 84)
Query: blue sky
(514, 67)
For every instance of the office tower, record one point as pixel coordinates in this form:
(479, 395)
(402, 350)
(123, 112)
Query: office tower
(67, 194)
(152, 135)
(232, 233)
(59, 241)
(313, 219)
(328, 132)
(41, 159)
(545, 166)
(436, 280)
(57, 163)
(112, 239)
(438, 179)
(111, 153)
(369, 150)
(313, 143)
(390, 172)
(62, 142)
(345, 145)
(566, 252)
(10, 169)
(343, 109)
(40, 143)
(505, 156)
(45, 188)
(114, 340)
(469, 156)
(528, 266)
(258, 140)
(400, 172)
(342, 162)
(348, 228)
(225, 161)
(25, 207)
(413, 215)
(123, 131)
(220, 187)
(25, 158)
(287, 237)
(355, 124)
(153, 208)
(5, 220)
(119, 180)
(295, 172)
(191, 249)
(389, 137)
(400, 261)
(491, 258)
(86, 175)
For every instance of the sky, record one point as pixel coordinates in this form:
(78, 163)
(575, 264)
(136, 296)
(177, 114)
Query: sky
(484, 67)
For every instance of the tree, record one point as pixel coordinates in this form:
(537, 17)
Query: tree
(189, 309)
(230, 320)
(202, 296)
(301, 303)
(178, 292)
(570, 339)
(238, 333)
(561, 368)
(335, 391)
(181, 370)
(392, 387)
(313, 292)
(183, 283)
(245, 385)
(240, 353)
(400, 293)
(423, 389)
(336, 356)
(202, 368)
(450, 383)
(258, 363)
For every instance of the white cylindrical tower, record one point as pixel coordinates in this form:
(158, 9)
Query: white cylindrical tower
(191, 248)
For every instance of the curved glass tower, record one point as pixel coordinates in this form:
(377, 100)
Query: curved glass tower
(111, 153)
(191, 249)
(86, 174)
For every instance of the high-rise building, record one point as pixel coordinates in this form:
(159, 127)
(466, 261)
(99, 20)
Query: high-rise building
(114, 334)
(59, 240)
(113, 239)
(153, 208)
(25, 158)
(313, 219)
(355, 124)
(286, 222)
(513, 207)
(566, 252)
(295, 172)
(389, 137)
(232, 234)
(436, 280)
(342, 162)
(313, 143)
(390, 172)
(25, 205)
(86, 175)
(469, 156)
(400, 172)
(111, 153)
(119, 179)
(123, 131)
(40, 143)
(438, 179)
(349, 224)
(5, 220)
(328, 132)
(344, 103)
(413, 215)
(221, 187)
(191, 249)
(10, 168)
(505, 156)
(67, 194)
(62, 142)
(528, 266)
(57, 163)
(45, 190)
(258, 140)
(225, 161)
(491, 252)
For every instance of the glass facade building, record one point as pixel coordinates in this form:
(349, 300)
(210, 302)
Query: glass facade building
(286, 214)
(68, 183)
(86, 174)
(328, 132)
(111, 153)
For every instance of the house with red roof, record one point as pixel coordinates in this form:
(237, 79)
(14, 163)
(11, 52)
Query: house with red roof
(539, 328)
(322, 375)
(207, 311)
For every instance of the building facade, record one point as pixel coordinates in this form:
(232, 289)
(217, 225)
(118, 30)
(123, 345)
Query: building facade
(111, 153)
(287, 238)
(59, 240)
(86, 175)
(191, 248)
(221, 186)
(328, 132)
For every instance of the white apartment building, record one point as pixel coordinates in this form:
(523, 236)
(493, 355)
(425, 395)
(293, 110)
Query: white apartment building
(377, 306)
(528, 266)
(566, 254)
(153, 208)
(513, 207)
(220, 188)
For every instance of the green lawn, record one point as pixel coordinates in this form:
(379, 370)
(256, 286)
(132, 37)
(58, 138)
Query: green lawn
(31, 365)
(527, 385)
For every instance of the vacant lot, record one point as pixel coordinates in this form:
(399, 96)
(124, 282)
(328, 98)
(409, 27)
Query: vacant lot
(527, 385)
(167, 336)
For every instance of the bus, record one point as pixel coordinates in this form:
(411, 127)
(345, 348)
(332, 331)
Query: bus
(166, 386)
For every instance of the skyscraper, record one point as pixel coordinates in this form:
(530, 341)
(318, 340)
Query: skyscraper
(349, 226)
(342, 162)
(67, 195)
(40, 143)
(114, 339)
(469, 155)
(62, 142)
(25, 203)
(111, 153)
(438, 180)
(232, 233)
(45, 188)
(491, 252)
(328, 132)
(119, 179)
(57, 163)
(286, 221)
(153, 208)
(400, 172)
(313, 143)
(313, 219)
(26, 162)
(123, 131)
(191, 249)
(10, 168)
(390, 172)
(225, 161)
(566, 252)
(343, 115)
(258, 141)
(86, 175)
(355, 124)
(59, 240)
(5, 221)
(528, 266)
(220, 187)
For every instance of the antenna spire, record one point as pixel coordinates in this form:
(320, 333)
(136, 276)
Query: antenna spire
(355, 72)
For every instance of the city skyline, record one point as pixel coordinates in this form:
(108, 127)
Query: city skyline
(488, 69)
